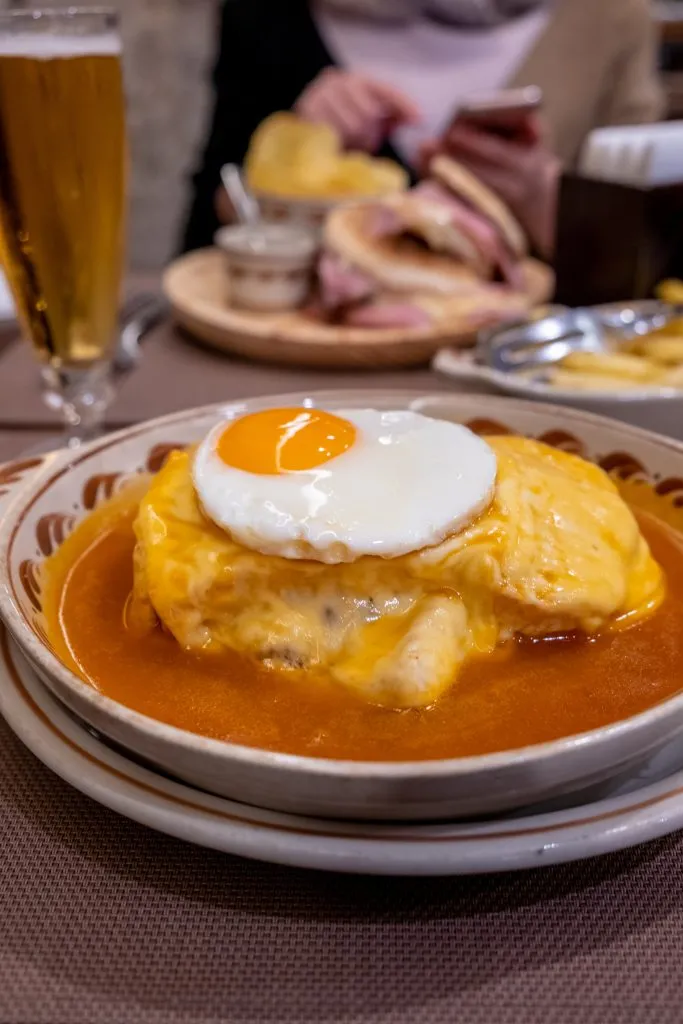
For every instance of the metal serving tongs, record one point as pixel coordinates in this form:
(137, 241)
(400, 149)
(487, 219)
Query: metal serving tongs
(525, 346)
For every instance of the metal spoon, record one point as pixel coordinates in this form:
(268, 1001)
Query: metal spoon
(243, 203)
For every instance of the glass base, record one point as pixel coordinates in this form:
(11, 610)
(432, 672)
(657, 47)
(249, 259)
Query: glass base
(81, 394)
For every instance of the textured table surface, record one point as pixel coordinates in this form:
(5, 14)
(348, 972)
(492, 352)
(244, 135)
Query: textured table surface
(102, 920)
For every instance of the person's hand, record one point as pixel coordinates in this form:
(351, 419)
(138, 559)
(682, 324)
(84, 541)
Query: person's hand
(363, 111)
(524, 173)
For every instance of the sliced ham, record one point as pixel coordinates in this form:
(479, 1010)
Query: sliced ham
(388, 314)
(466, 251)
(341, 284)
(478, 229)
(510, 268)
(383, 219)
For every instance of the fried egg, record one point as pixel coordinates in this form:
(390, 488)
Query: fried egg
(334, 487)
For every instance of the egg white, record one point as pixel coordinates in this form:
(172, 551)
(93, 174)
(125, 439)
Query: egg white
(406, 483)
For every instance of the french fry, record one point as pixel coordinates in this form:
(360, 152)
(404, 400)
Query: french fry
(666, 349)
(670, 291)
(673, 378)
(570, 380)
(613, 364)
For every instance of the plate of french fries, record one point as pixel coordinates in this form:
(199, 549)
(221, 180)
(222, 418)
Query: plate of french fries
(649, 362)
(636, 378)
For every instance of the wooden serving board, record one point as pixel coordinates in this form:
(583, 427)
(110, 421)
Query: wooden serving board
(197, 288)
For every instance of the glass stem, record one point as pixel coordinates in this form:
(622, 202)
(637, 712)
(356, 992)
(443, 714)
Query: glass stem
(82, 395)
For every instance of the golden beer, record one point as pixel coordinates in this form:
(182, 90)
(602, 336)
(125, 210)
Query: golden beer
(62, 187)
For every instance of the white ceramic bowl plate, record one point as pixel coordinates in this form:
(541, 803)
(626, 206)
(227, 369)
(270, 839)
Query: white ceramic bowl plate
(43, 498)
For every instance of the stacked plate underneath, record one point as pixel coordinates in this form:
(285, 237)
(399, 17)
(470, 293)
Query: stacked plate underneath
(633, 808)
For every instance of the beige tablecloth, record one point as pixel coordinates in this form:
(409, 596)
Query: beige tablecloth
(102, 920)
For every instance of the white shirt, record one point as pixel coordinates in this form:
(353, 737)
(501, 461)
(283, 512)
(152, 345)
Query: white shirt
(435, 65)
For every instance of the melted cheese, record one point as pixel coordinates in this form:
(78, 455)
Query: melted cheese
(557, 550)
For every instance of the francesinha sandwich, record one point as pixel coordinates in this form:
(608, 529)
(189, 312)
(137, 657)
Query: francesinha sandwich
(381, 550)
(447, 248)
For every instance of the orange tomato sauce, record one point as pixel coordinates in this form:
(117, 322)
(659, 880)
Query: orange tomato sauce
(526, 693)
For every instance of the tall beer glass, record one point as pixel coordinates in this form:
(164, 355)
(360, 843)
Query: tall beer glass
(62, 188)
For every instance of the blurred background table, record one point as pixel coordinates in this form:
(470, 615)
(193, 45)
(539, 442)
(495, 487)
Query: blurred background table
(174, 373)
(102, 920)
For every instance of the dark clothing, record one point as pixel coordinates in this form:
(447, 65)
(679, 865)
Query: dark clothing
(270, 50)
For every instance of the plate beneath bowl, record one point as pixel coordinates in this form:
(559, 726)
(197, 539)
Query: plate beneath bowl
(631, 810)
(196, 287)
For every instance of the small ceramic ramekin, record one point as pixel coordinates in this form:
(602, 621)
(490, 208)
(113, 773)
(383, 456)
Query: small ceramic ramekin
(270, 266)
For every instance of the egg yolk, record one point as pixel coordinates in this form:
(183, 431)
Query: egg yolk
(284, 440)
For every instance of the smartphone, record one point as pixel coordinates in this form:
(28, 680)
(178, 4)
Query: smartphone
(502, 102)
(504, 112)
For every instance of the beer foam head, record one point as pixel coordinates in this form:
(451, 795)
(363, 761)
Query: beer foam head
(48, 46)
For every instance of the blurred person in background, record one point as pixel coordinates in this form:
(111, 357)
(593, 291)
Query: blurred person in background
(389, 75)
